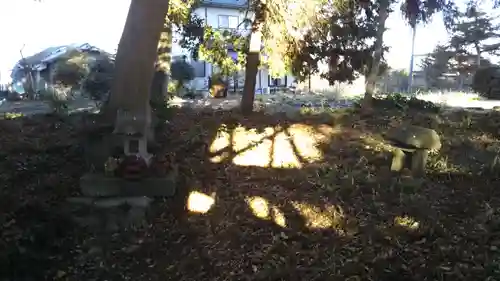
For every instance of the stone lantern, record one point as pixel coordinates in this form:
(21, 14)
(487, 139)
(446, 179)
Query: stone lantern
(132, 128)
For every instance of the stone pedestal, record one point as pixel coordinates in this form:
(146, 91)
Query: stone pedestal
(109, 214)
(99, 185)
(414, 159)
(112, 203)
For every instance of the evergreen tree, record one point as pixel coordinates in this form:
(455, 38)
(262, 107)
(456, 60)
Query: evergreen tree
(470, 33)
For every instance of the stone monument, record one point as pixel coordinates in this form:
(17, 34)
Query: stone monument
(411, 147)
(118, 189)
(130, 173)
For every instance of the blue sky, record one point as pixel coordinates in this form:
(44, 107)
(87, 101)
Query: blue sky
(100, 23)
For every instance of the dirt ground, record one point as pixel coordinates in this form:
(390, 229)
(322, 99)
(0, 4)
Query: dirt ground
(265, 198)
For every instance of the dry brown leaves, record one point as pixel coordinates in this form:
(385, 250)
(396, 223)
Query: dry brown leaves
(264, 198)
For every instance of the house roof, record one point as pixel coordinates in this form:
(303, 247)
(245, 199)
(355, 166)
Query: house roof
(36, 58)
(40, 60)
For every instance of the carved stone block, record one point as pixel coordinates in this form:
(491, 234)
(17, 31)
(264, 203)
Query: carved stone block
(99, 185)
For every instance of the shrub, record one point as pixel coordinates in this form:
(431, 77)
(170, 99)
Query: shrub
(486, 82)
(58, 98)
(218, 87)
(182, 72)
(87, 73)
(97, 84)
(70, 69)
(404, 103)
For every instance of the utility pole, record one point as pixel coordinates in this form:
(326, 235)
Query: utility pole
(410, 75)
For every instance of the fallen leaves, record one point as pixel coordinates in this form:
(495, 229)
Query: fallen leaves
(336, 214)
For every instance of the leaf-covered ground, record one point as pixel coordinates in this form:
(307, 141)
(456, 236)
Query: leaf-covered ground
(264, 198)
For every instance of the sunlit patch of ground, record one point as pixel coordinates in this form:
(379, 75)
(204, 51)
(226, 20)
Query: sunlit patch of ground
(261, 208)
(406, 222)
(375, 143)
(324, 217)
(199, 202)
(329, 217)
(274, 147)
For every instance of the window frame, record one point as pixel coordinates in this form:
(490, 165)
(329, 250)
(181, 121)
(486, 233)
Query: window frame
(228, 17)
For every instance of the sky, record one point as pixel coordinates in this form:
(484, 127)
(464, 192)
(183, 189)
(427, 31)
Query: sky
(32, 26)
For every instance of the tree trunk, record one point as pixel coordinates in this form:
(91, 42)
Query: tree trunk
(251, 69)
(309, 81)
(135, 58)
(235, 82)
(478, 53)
(159, 87)
(371, 79)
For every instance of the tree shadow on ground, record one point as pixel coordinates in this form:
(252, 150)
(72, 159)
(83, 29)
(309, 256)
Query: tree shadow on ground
(334, 213)
(344, 216)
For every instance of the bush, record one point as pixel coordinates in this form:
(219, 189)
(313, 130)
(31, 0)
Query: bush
(404, 103)
(68, 73)
(87, 73)
(70, 69)
(58, 98)
(218, 87)
(97, 84)
(182, 72)
(486, 82)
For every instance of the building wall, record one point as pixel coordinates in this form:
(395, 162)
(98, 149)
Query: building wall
(211, 15)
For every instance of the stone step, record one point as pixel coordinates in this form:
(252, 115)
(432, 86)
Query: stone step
(109, 214)
(112, 202)
(99, 185)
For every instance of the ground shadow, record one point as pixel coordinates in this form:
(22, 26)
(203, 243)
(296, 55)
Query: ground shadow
(340, 217)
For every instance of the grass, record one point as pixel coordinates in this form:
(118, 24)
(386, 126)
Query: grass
(265, 198)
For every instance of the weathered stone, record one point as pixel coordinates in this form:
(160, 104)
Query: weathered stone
(414, 137)
(98, 185)
(140, 201)
(109, 214)
(81, 200)
(412, 145)
(412, 158)
(419, 161)
(398, 160)
(98, 149)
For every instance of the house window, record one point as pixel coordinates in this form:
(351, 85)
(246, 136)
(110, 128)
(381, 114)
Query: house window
(228, 22)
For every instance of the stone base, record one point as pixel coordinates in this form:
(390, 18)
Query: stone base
(414, 159)
(99, 185)
(109, 214)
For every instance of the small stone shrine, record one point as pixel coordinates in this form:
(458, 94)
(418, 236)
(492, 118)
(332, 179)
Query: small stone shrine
(411, 147)
(121, 183)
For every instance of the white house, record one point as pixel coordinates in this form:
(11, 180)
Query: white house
(227, 14)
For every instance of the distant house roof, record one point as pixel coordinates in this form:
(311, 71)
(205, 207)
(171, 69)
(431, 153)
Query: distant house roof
(39, 61)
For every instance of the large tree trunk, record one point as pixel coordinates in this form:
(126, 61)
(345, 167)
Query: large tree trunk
(371, 79)
(159, 87)
(135, 58)
(251, 69)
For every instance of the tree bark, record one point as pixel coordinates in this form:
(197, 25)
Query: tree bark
(251, 69)
(159, 87)
(135, 58)
(478, 53)
(371, 79)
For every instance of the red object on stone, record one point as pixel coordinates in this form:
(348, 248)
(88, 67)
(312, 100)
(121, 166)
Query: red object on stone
(133, 168)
